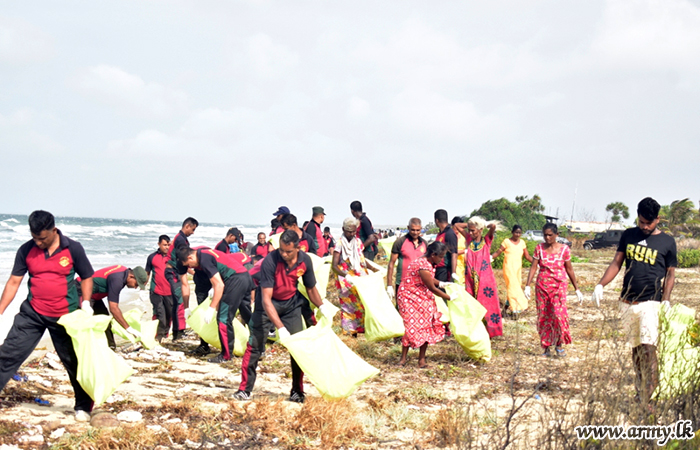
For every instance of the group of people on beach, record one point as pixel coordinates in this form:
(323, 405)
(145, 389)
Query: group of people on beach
(261, 283)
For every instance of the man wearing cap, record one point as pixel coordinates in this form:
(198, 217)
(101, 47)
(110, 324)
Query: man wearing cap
(279, 214)
(314, 229)
(161, 296)
(109, 282)
(225, 244)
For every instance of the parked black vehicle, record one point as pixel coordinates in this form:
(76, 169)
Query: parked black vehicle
(608, 238)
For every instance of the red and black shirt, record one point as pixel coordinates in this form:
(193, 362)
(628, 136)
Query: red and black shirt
(314, 229)
(306, 242)
(449, 238)
(109, 282)
(175, 244)
(212, 262)
(365, 230)
(52, 290)
(223, 246)
(408, 251)
(259, 251)
(276, 274)
(155, 265)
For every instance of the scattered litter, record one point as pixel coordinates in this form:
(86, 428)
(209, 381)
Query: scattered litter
(129, 416)
(212, 384)
(537, 397)
(36, 438)
(39, 379)
(114, 398)
(42, 402)
(175, 420)
(155, 428)
(53, 361)
(20, 378)
(165, 416)
(57, 433)
(9, 447)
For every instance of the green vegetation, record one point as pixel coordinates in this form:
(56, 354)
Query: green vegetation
(618, 209)
(689, 258)
(525, 211)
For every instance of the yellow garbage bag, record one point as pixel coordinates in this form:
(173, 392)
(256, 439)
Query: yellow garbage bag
(322, 271)
(147, 328)
(275, 240)
(100, 370)
(331, 366)
(210, 331)
(386, 244)
(382, 320)
(678, 358)
(466, 325)
(442, 309)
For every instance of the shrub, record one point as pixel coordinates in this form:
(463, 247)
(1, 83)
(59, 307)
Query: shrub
(688, 258)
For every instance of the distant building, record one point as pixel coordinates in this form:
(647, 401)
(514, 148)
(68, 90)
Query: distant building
(575, 226)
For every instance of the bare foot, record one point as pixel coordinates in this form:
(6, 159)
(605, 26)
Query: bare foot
(402, 362)
(422, 364)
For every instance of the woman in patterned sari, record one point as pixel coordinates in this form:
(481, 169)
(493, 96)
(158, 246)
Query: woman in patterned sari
(348, 261)
(479, 279)
(416, 301)
(554, 261)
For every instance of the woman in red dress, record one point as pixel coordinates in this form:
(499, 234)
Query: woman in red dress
(416, 301)
(554, 261)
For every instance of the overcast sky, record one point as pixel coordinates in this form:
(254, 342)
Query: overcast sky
(225, 110)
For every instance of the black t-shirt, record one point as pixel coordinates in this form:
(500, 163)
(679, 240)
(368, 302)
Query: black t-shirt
(275, 274)
(646, 259)
(365, 230)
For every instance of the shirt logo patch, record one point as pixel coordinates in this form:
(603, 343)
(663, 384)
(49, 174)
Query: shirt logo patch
(300, 272)
(64, 261)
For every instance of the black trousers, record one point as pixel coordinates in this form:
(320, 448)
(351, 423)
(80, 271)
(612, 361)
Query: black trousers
(236, 294)
(22, 339)
(99, 307)
(176, 288)
(163, 312)
(289, 312)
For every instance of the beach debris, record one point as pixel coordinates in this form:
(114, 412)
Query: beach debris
(53, 361)
(20, 378)
(39, 379)
(156, 428)
(9, 447)
(57, 433)
(130, 416)
(104, 420)
(42, 402)
(114, 398)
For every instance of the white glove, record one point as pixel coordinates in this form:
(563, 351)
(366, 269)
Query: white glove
(209, 315)
(527, 292)
(579, 296)
(442, 284)
(455, 277)
(325, 311)
(390, 291)
(283, 333)
(85, 306)
(665, 306)
(134, 333)
(597, 294)
(454, 295)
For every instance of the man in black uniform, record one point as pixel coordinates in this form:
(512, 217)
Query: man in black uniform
(650, 262)
(365, 231)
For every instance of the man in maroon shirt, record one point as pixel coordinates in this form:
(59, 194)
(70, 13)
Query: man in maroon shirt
(230, 238)
(176, 274)
(161, 294)
(279, 306)
(314, 229)
(52, 260)
(261, 249)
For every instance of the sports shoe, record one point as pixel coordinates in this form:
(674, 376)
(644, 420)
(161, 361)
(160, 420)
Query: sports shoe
(82, 416)
(218, 359)
(201, 350)
(560, 352)
(547, 353)
(242, 395)
(297, 397)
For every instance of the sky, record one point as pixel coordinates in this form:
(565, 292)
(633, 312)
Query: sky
(225, 110)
